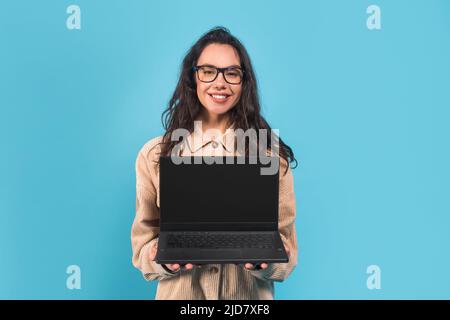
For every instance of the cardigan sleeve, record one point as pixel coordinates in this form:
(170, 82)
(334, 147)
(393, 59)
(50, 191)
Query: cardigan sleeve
(145, 228)
(286, 226)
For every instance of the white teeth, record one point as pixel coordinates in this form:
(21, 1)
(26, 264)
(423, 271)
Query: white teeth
(218, 96)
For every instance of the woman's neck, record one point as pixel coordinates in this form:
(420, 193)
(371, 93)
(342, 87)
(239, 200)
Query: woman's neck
(214, 121)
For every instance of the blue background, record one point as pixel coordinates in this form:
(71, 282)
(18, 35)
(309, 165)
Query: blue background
(366, 113)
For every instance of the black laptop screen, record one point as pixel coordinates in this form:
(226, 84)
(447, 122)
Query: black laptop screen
(217, 193)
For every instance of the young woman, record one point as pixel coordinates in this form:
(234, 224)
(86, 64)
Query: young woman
(217, 89)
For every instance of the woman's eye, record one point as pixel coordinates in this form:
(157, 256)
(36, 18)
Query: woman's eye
(232, 74)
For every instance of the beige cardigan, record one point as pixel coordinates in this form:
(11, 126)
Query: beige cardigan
(212, 281)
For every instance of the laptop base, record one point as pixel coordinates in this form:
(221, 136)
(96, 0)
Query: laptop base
(167, 255)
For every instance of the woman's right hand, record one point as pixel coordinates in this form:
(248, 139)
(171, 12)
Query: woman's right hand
(173, 267)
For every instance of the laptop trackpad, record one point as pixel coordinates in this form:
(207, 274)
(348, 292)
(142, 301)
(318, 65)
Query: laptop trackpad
(221, 253)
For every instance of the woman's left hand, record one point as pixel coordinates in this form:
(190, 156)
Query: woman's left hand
(264, 265)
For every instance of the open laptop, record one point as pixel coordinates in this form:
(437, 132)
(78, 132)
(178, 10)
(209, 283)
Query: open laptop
(218, 213)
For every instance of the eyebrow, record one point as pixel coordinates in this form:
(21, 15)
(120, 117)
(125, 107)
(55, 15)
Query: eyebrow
(211, 65)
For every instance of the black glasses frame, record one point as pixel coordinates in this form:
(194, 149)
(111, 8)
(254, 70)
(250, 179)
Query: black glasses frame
(219, 70)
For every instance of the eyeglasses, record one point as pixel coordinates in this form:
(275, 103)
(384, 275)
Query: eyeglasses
(232, 75)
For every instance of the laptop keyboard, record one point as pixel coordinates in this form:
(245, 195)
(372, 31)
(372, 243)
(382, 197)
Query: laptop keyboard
(217, 240)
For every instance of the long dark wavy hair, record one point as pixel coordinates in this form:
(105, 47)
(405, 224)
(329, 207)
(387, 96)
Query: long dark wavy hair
(184, 106)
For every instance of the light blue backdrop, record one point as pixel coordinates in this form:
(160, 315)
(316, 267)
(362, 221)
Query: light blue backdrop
(366, 113)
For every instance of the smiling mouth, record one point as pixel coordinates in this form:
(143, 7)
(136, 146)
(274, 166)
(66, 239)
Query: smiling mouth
(219, 97)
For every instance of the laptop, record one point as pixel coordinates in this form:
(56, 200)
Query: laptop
(218, 210)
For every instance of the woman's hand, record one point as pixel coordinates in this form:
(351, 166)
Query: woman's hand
(264, 265)
(173, 267)
(176, 267)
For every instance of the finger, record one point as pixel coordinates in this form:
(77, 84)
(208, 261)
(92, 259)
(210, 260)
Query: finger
(174, 267)
(249, 266)
(152, 254)
(189, 266)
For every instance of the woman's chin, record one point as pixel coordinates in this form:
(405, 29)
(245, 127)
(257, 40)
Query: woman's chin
(218, 109)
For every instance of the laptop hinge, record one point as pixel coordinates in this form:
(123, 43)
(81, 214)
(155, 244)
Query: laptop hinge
(239, 226)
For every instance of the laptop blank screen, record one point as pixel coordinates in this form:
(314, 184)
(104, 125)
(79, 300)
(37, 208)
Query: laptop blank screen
(217, 193)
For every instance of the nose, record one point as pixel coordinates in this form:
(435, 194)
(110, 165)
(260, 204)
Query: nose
(220, 81)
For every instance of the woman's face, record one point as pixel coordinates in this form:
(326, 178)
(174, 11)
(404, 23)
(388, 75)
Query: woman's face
(219, 96)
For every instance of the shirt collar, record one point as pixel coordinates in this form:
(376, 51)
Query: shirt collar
(197, 139)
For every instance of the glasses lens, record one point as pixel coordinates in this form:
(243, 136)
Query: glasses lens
(233, 75)
(207, 74)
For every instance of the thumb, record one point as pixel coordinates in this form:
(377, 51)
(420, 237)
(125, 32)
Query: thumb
(288, 251)
(153, 251)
